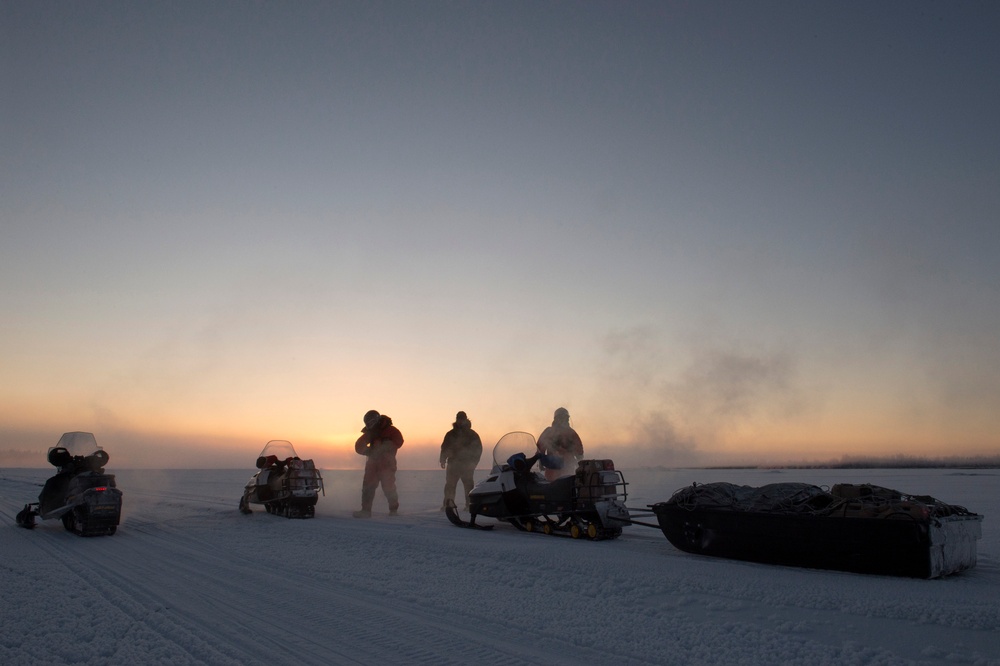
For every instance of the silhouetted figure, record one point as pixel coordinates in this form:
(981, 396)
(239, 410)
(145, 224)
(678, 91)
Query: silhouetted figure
(379, 441)
(560, 441)
(460, 453)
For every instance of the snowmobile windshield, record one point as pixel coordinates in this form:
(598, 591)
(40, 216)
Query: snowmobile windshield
(280, 449)
(78, 443)
(511, 443)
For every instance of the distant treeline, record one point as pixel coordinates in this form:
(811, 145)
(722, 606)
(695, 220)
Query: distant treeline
(894, 462)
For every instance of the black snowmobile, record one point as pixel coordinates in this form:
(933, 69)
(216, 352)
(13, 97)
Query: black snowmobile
(80, 493)
(588, 502)
(286, 485)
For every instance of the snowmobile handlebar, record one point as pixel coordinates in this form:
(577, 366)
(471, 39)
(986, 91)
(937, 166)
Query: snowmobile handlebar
(521, 463)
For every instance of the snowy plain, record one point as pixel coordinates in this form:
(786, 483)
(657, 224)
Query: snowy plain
(189, 580)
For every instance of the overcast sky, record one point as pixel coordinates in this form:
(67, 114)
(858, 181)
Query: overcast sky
(714, 231)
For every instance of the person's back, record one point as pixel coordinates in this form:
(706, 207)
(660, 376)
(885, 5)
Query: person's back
(462, 444)
(461, 451)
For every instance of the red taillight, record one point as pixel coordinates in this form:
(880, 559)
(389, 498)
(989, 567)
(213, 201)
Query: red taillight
(101, 489)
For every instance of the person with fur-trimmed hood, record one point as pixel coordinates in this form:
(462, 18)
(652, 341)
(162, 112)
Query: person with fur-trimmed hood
(379, 441)
(460, 453)
(560, 441)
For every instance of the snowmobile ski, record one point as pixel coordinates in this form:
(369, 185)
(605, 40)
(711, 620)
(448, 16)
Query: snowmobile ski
(452, 512)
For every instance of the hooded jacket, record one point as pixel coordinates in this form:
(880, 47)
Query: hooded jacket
(461, 444)
(381, 439)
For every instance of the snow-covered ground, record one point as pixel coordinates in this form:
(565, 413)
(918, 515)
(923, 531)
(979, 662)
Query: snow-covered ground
(189, 580)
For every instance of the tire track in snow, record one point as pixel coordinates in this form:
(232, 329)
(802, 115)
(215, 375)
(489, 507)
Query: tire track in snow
(314, 621)
(79, 568)
(251, 609)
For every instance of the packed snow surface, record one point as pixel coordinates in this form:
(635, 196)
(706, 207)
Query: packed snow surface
(189, 580)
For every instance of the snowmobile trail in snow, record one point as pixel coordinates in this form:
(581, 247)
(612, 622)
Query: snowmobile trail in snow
(263, 603)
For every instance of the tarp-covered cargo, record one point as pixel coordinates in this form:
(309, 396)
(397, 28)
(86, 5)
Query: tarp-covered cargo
(861, 528)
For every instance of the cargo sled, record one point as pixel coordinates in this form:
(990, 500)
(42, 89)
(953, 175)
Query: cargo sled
(80, 494)
(587, 502)
(285, 484)
(860, 528)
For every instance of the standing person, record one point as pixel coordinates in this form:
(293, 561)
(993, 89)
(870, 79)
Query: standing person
(561, 441)
(460, 453)
(379, 441)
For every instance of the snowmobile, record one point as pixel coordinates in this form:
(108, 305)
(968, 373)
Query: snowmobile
(80, 493)
(588, 502)
(285, 484)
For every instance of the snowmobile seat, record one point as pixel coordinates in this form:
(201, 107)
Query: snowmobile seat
(563, 486)
(53, 491)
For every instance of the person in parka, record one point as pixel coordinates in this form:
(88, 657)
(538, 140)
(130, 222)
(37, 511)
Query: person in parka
(460, 453)
(560, 441)
(379, 441)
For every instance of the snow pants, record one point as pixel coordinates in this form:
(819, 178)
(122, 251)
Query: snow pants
(380, 469)
(455, 472)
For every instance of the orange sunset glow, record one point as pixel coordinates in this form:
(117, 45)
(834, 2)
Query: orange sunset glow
(714, 237)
